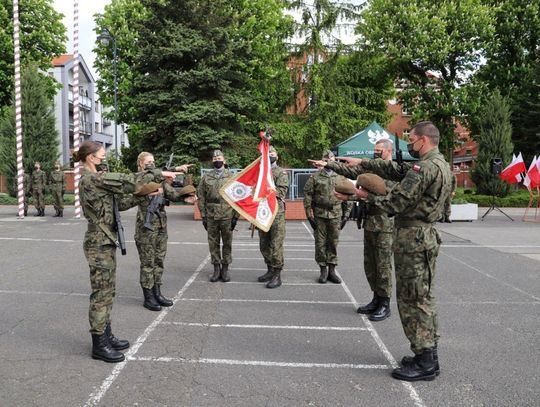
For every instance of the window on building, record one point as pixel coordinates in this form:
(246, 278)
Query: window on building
(97, 106)
(96, 127)
(405, 111)
(468, 151)
(406, 133)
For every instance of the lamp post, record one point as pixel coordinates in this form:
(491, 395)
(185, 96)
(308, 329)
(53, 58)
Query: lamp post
(105, 38)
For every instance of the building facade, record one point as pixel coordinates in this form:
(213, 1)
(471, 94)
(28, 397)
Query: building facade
(93, 123)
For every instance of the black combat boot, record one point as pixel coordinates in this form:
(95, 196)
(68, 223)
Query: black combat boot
(225, 273)
(102, 350)
(423, 368)
(266, 276)
(38, 212)
(61, 213)
(332, 276)
(156, 290)
(26, 212)
(150, 301)
(409, 360)
(324, 275)
(383, 310)
(275, 282)
(217, 272)
(117, 344)
(43, 212)
(56, 214)
(370, 307)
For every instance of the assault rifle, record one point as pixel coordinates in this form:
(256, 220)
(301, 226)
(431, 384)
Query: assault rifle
(157, 202)
(399, 154)
(119, 227)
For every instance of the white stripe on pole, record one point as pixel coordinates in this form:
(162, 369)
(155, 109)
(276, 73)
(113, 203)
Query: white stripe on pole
(76, 119)
(18, 112)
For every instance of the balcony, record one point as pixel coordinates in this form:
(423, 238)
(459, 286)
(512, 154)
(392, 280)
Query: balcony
(84, 101)
(85, 127)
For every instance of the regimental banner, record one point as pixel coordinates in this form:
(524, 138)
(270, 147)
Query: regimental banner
(252, 192)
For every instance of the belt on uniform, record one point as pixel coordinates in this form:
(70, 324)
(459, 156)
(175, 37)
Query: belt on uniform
(411, 223)
(328, 207)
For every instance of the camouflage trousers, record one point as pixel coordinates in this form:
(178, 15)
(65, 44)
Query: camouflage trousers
(152, 248)
(271, 242)
(378, 262)
(415, 277)
(58, 198)
(220, 231)
(102, 262)
(39, 199)
(326, 240)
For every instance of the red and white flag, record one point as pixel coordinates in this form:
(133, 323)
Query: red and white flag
(532, 179)
(252, 192)
(511, 173)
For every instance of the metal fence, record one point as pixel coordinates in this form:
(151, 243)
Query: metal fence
(297, 179)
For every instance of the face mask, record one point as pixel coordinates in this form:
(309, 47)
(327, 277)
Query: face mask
(273, 159)
(57, 168)
(217, 164)
(377, 154)
(102, 166)
(36, 167)
(412, 151)
(149, 166)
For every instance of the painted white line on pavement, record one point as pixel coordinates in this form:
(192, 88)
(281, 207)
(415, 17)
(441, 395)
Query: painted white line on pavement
(258, 363)
(490, 276)
(283, 284)
(412, 391)
(295, 250)
(96, 396)
(264, 269)
(72, 294)
(300, 327)
(259, 258)
(269, 301)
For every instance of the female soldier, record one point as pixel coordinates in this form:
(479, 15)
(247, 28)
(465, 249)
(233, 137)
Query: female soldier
(96, 191)
(151, 237)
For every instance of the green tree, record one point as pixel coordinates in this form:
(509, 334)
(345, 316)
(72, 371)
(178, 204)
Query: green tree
(432, 47)
(42, 37)
(512, 66)
(494, 141)
(40, 138)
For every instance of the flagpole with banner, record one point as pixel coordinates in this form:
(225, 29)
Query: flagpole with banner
(252, 192)
(532, 181)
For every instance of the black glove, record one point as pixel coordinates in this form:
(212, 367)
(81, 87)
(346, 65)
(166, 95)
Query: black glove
(233, 223)
(312, 223)
(205, 223)
(344, 220)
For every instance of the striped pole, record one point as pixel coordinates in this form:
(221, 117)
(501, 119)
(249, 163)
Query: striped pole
(18, 113)
(76, 116)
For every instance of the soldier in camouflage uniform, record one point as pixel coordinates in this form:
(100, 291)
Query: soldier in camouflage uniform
(57, 185)
(39, 182)
(327, 215)
(152, 244)
(271, 242)
(378, 236)
(97, 190)
(417, 203)
(218, 217)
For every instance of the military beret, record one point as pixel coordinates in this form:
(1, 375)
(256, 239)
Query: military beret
(147, 189)
(345, 187)
(372, 183)
(187, 190)
(272, 150)
(217, 153)
(328, 154)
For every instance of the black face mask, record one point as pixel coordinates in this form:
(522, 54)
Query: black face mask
(150, 166)
(273, 159)
(412, 152)
(102, 167)
(377, 155)
(217, 164)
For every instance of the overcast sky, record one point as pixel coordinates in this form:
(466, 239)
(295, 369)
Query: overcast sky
(87, 37)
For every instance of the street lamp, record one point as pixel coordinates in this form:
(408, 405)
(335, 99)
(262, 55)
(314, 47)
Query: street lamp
(105, 38)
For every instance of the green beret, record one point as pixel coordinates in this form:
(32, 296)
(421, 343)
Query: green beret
(217, 153)
(345, 187)
(328, 154)
(272, 150)
(187, 190)
(372, 183)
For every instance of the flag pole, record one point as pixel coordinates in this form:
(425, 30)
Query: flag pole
(76, 114)
(18, 111)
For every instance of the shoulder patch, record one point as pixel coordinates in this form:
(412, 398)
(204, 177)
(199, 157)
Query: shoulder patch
(416, 168)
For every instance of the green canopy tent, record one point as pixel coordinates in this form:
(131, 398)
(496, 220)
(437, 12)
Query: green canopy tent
(361, 145)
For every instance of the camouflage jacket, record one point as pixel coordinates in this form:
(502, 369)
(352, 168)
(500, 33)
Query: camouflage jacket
(57, 180)
(376, 219)
(143, 202)
(281, 180)
(27, 184)
(39, 180)
(210, 202)
(417, 201)
(96, 194)
(319, 196)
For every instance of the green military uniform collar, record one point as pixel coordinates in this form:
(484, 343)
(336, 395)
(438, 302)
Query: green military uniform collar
(430, 154)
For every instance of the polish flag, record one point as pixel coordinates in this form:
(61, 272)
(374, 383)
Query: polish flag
(511, 173)
(532, 179)
(252, 192)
